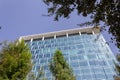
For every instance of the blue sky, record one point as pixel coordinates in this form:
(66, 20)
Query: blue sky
(25, 17)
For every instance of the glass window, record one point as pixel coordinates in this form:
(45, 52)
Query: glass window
(103, 63)
(46, 67)
(84, 71)
(102, 56)
(73, 57)
(37, 67)
(110, 76)
(40, 56)
(94, 76)
(78, 77)
(65, 54)
(49, 60)
(100, 76)
(108, 70)
(77, 72)
(81, 57)
(97, 63)
(72, 47)
(90, 50)
(81, 52)
(74, 64)
(92, 56)
(33, 56)
(33, 43)
(66, 48)
(35, 47)
(48, 79)
(87, 77)
(83, 63)
(37, 51)
(66, 58)
(33, 68)
(47, 55)
(100, 63)
(79, 46)
(98, 70)
(92, 63)
(111, 62)
(37, 56)
(43, 60)
(48, 74)
(34, 61)
(32, 52)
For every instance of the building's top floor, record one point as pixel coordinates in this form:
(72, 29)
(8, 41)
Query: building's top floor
(56, 34)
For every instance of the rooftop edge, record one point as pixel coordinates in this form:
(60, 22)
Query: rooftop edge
(62, 32)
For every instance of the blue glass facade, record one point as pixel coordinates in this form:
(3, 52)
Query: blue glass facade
(88, 55)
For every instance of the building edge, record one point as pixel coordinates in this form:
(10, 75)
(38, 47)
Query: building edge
(93, 30)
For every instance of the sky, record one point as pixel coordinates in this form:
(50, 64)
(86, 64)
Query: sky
(25, 17)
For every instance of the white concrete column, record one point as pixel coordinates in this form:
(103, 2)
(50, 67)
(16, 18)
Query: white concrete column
(93, 32)
(43, 38)
(67, 35)
(31, 39)
(31, 42)
(54, 36)
(20, 39)
(79, 33)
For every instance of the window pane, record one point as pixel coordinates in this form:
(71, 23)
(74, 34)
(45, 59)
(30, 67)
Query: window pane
(83, 63)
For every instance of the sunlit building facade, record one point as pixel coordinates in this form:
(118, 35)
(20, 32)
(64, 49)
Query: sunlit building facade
(84, 49)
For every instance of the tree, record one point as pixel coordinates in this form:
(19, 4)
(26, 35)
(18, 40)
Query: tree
(106, 11)
(15, 62)
(117, 77)
(59, 67)
(31, 75)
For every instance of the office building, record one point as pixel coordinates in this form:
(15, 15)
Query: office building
(84, 49)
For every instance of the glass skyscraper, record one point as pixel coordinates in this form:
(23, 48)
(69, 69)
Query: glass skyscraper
(84, 49)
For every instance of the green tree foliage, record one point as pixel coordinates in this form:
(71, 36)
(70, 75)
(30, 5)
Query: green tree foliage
(40, 75)
(59, 67)
(15, 62)
(106, 11)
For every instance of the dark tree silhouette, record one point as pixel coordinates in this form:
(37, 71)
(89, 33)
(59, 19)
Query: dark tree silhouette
(106, 11)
